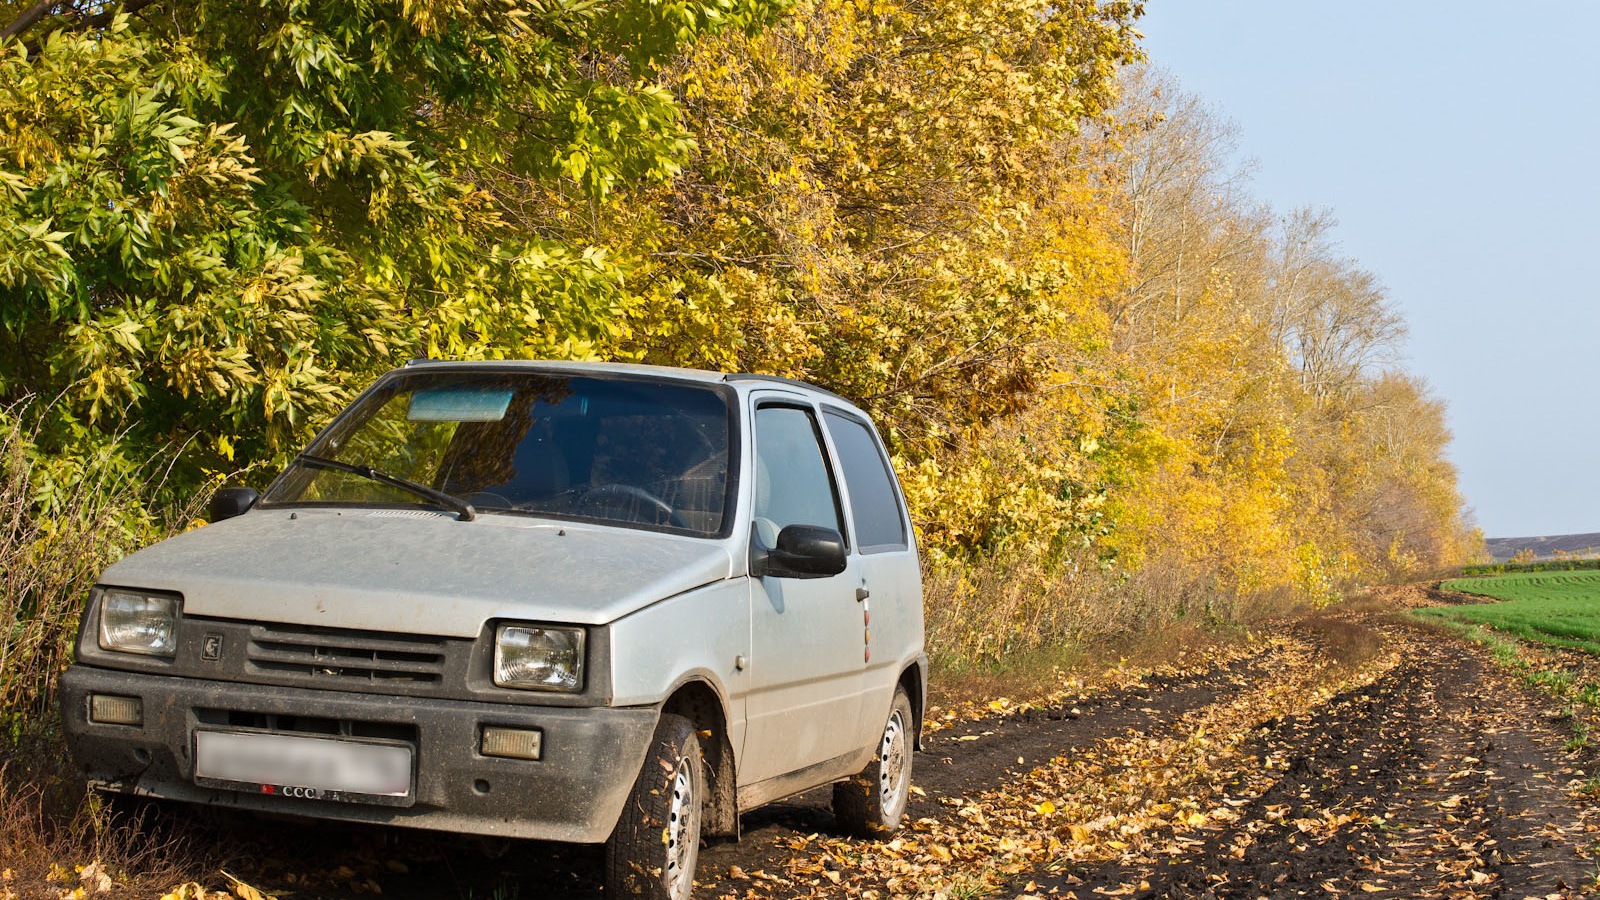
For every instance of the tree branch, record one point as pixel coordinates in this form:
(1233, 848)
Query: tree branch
(27, 19)
(71, 18)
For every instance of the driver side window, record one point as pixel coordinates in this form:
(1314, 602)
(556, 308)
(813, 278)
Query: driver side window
(793, 483)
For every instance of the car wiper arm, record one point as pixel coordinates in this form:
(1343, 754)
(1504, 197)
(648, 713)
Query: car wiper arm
(468, 513)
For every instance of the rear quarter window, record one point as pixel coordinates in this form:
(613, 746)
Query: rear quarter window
(874, 502)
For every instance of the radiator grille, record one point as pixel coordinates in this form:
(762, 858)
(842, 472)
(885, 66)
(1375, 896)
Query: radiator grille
(343, 656)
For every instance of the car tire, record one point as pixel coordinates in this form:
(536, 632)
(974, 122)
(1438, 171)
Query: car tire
(872, 803)
(652, 852)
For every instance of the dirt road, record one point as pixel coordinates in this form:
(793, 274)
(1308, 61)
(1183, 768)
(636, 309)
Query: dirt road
(1341, 756)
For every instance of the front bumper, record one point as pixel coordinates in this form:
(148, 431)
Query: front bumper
(575, 792)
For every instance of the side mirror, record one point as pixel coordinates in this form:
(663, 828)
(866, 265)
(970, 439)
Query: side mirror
(803, 551)
(232, 501)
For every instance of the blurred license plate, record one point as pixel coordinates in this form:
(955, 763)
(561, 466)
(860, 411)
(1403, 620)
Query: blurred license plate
(309, 768)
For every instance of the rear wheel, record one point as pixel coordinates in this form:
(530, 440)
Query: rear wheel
(872, 803)
(652, 853)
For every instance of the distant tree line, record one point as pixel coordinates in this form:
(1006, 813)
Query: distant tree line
(1520, 566)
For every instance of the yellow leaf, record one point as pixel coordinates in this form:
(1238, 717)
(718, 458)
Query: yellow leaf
(94, 878)
(244, 891)
(1045, 808)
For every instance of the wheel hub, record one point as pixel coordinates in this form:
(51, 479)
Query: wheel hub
(683, 833)
(892, 772)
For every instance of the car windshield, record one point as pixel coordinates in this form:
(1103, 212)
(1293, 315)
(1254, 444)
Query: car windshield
(622, 451)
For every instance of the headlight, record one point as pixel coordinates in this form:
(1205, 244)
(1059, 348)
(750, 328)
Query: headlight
(138, 623)
(538, 658)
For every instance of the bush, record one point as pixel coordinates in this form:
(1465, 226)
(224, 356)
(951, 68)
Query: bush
(997, 611)
(62, 520)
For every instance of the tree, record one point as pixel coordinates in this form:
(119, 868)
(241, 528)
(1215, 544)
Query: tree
(1279, 453)
(217, 219)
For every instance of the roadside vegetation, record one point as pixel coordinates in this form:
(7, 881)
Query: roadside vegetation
(1125, 399)
(61, 521)
(1544, 565)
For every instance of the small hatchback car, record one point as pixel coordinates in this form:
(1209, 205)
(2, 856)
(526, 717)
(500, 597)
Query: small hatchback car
(562, 601)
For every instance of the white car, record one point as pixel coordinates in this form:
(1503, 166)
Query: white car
(562, 601)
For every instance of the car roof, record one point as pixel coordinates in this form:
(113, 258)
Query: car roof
(612, 368)
(575, 366)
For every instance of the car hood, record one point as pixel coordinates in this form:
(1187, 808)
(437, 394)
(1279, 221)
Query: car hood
(417, 571)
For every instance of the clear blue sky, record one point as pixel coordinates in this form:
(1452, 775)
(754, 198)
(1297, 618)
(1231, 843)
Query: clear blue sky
(1458, 143)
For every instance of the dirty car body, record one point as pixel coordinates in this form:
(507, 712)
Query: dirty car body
(477, 595)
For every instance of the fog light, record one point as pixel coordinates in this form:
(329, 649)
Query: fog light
(109, 710)
(514, 743)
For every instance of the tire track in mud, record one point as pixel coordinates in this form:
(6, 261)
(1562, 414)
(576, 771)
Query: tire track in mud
(1440, 779)
(968, 758)
(1125, 784)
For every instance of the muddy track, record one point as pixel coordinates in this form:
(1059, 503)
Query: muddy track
(1438, 780)
(972, 757)
(1431, 775)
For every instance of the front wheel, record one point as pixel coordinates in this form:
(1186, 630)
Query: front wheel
(652, 852)
(871, 804)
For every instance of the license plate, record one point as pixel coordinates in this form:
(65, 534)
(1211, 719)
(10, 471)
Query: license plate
(303, 767)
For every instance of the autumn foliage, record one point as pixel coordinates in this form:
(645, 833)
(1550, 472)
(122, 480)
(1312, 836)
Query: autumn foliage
(1112, 382)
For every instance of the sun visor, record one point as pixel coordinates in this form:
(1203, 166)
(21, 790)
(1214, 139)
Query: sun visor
(459, 404)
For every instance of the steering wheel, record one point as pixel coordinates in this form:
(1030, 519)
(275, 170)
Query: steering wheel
(606, 496)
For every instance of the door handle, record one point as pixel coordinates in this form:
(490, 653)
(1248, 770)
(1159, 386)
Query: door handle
(862, 594)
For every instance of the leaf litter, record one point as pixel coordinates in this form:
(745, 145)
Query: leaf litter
(1290, 766)
(1415, 771)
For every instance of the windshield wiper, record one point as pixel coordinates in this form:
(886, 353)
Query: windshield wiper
(421, 490)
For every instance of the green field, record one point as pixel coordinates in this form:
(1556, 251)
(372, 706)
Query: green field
(1557, 608)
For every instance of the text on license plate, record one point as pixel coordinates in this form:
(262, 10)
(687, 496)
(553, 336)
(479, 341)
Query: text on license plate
(318, 764)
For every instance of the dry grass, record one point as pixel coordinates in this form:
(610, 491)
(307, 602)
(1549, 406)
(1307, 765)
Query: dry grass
(992, 614)
(62, 520)
(47, 844)
(1031, 675)
(1009, 627)
(1345, 643)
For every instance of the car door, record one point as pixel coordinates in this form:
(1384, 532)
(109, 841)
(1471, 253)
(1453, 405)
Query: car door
(890, 579)
(806, 661)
